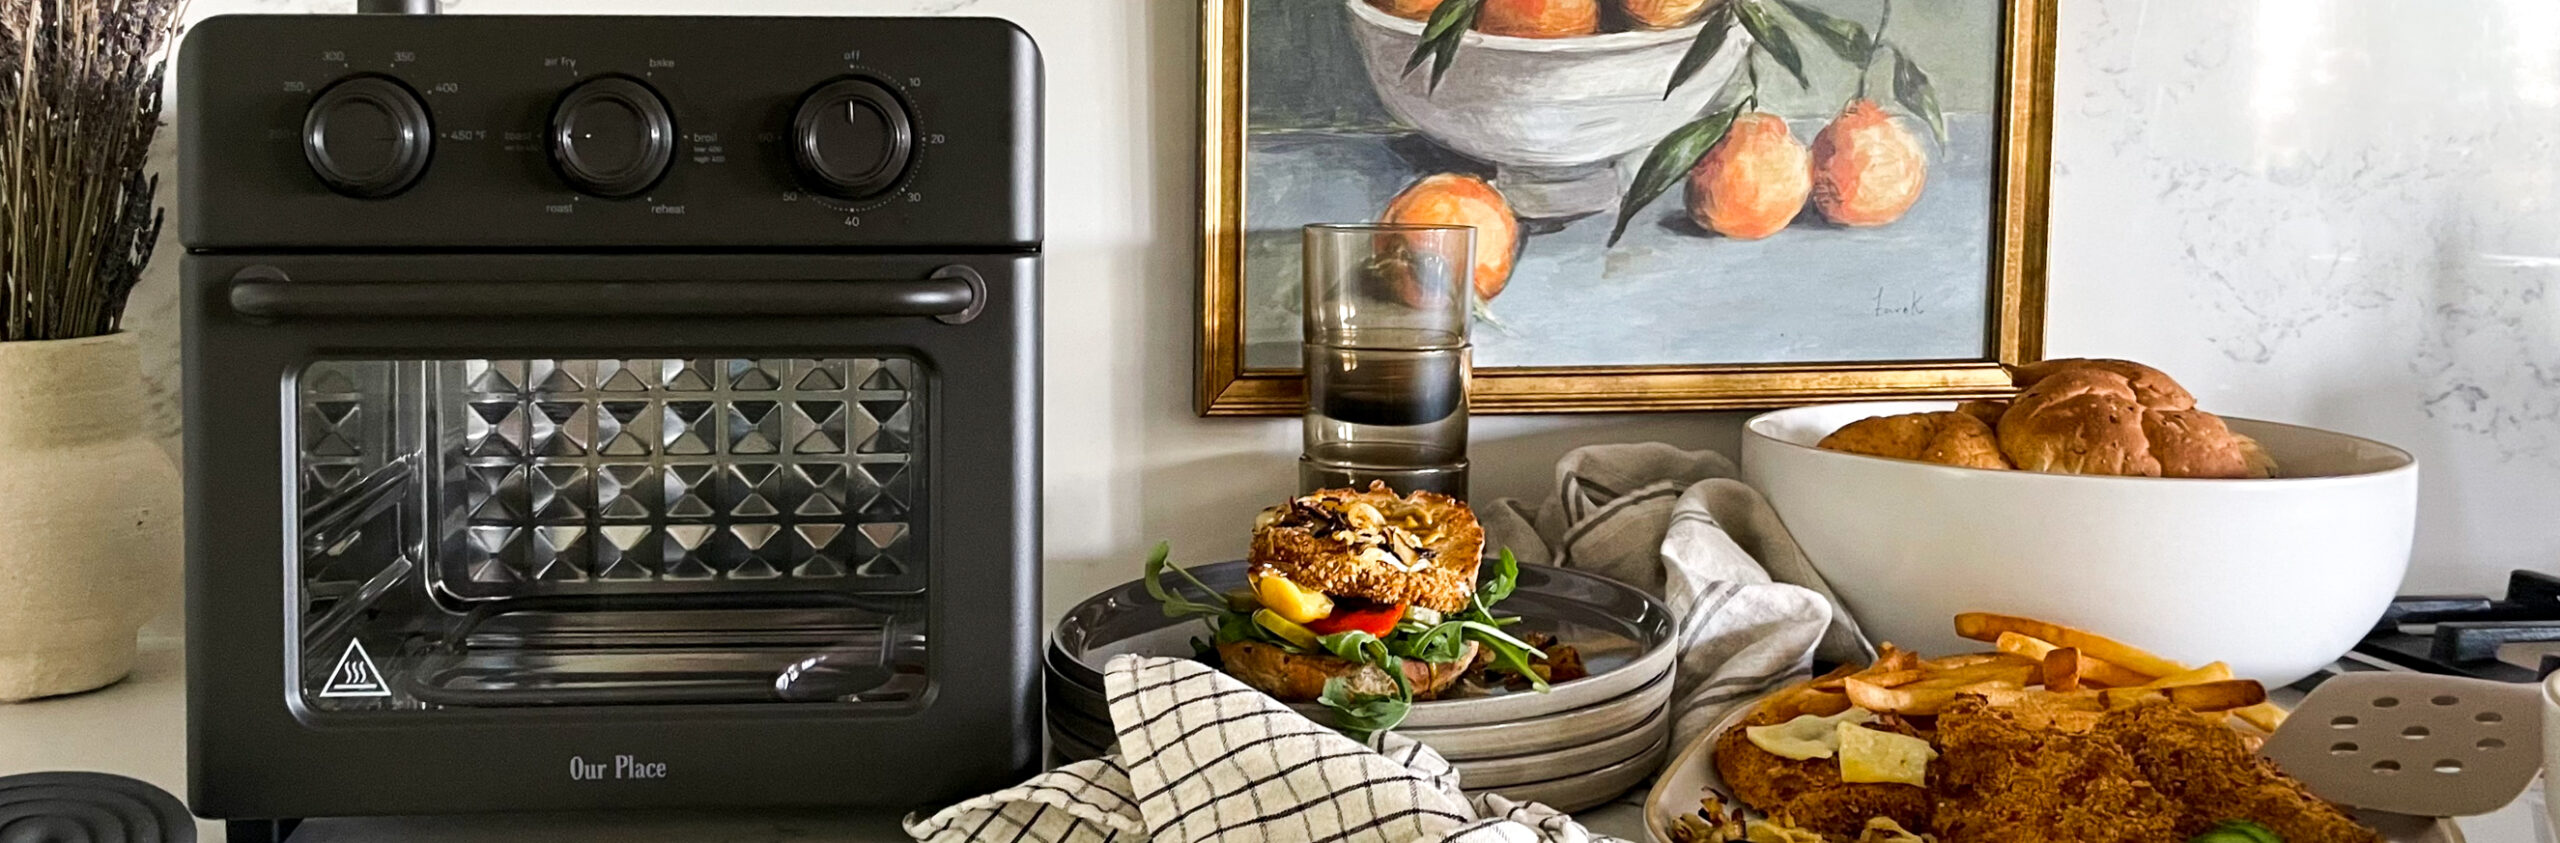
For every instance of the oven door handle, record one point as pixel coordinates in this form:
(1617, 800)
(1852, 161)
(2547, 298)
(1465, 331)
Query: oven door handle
(952, 294)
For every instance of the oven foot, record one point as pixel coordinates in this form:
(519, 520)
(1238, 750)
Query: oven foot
(259, 831)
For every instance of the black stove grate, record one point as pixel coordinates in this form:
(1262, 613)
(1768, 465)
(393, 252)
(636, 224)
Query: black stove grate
(2459, 635)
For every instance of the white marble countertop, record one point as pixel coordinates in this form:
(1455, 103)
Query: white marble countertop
(138, 728)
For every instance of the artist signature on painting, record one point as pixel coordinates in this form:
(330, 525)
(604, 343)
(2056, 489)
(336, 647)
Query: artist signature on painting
(1916, 304)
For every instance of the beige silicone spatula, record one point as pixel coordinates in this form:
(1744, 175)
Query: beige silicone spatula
(2414, 743)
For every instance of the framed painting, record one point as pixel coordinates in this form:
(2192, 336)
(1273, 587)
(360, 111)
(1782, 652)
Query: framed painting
(1679, 204)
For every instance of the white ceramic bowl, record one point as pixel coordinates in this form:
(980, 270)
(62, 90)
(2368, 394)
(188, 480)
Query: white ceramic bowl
(2277, 577)
(2551, 748)
(1554, 115)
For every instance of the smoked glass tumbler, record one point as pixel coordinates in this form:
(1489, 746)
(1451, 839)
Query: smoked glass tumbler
(1387, 357)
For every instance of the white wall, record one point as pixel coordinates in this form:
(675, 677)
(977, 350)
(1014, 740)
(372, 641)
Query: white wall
(2335, 214)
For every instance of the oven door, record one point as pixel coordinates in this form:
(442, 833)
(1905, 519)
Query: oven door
(749, 524)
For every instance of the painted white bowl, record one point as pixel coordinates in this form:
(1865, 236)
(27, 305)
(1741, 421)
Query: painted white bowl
(1553, 115)
(2278, 577)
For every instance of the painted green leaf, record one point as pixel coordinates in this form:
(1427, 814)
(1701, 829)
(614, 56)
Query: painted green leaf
(1773, 38)
(1441, 37)
(1669, 162)
(1845, 37)
(1911, 86)
(1710, 40)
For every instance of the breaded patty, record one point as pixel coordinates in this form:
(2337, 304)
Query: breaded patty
(1373, 545)
(2005, 782)
(1809, 794)
(2212, 772)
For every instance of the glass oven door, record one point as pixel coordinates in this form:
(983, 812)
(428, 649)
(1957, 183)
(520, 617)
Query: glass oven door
(479, 532)
(524, 483)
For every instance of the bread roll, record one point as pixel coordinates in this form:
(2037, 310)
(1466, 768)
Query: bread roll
(1946, 438)
(2153, 388)
(2194, 443)
(2079, 421)
(2261, 464)
(1300, 677)
(1988, 412)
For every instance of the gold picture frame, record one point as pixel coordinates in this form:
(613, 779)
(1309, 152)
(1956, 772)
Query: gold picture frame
(2020, 177)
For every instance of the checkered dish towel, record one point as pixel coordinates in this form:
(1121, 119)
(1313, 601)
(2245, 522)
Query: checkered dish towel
(1753, 613)
(1204, 757)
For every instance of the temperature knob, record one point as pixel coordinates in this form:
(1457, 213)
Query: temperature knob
(852, 138)
(367, 136)
(611, 137)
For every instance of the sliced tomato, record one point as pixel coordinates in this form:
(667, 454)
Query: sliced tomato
(1374, 618)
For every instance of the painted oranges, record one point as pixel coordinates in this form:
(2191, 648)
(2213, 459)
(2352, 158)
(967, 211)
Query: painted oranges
(1539, 18)
(1867, 169)
(1454, 199)
(1663, 14)
(1753, 182)
(1410, 9)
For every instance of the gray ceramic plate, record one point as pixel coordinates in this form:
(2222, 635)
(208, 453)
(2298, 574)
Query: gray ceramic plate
(1694, 773)
(1623, 634)
(1589, 790)
(1073, 735)
(1087, 713)
(1596, 755)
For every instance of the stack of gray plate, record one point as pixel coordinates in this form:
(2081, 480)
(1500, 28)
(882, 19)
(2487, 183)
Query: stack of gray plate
(1579, 745)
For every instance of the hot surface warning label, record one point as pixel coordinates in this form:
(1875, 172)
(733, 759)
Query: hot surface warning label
(355, 675)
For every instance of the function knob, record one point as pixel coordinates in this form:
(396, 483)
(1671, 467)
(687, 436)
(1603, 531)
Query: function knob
(367, 136)
(611, 137)
(852, 138)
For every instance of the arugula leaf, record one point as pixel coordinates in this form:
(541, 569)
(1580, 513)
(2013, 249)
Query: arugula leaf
(1363, 715)
(1442, 642)
(1174, 604)
(1669, 162)
(1710, 40)
(1506, 578)
(1510, 655)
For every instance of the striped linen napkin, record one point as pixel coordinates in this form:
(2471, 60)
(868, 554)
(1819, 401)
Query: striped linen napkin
(1753, 613)
(1204, 757)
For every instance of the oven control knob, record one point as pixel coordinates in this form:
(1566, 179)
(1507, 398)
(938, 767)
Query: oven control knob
(851, 138)
(367, 136)
(611, 137)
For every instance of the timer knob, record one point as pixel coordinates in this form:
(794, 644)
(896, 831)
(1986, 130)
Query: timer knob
(852, 138)
(367, 136)
(611, 137)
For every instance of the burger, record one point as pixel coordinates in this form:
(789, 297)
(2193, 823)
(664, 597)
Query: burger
(1364, 601)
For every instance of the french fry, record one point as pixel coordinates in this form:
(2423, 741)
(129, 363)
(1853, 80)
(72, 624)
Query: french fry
(2062, 670)
(1889, 657)
(2223, 695)
(2265, 716)
(1983, 626)
(1904, 700)
(1893, 678)
(2092, 671)
(2214, 672)
(1831, 681)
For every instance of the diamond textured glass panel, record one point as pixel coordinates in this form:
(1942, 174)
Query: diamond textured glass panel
(657, 475)
(565, 530)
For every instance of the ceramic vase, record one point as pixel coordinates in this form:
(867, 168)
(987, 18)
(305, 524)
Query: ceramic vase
(89, 515)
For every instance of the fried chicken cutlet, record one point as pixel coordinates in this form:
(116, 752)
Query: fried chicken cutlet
(1808, 794)
(2010, 782)
(2207, 768)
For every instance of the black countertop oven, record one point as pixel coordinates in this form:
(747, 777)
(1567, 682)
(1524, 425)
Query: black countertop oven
(606, 412)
